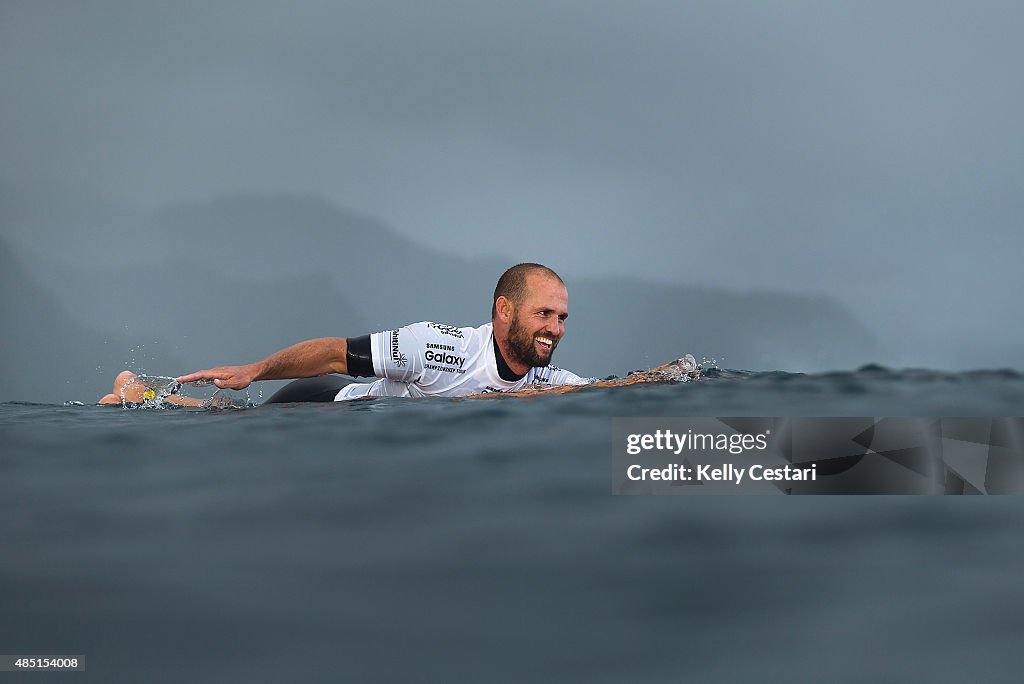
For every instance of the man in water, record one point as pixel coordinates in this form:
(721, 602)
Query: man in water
(511, 353)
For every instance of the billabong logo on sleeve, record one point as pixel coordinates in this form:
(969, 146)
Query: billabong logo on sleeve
(397, 356)
(446, 329)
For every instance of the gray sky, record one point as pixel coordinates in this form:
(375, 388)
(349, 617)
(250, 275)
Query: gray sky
(869, 151)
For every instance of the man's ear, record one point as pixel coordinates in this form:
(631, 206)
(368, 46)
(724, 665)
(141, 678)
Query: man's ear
(504, 308)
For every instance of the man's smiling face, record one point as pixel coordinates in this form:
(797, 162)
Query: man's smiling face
(538, 323)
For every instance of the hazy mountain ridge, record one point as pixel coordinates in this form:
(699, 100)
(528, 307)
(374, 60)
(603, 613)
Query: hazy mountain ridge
(271, 236)
(757, 330)
(408, 282)
(206, 317)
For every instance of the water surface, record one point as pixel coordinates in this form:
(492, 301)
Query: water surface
(468, 540)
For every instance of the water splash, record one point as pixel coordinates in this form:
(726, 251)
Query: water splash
(711, 364)
(155, 390)
(227, 399)
(683, 369)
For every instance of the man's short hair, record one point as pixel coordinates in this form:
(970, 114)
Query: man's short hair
(512, 283)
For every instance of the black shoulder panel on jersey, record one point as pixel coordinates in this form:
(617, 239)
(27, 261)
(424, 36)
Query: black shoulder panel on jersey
(359, 358)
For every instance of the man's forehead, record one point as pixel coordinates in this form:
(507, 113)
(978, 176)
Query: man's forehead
(539, 279)
(543, 286)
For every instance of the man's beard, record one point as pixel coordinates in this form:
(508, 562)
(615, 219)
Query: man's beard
(521, 346)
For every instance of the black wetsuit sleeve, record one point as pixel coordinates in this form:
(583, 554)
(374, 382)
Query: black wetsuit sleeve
(359, 359)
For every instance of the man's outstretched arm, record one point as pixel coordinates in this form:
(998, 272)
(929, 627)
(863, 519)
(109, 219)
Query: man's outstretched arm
(303, 360)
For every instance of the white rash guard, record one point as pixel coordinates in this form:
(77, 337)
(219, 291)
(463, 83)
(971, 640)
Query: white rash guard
(434, 360)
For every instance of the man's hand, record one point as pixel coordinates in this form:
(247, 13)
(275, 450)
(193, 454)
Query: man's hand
(225, 377)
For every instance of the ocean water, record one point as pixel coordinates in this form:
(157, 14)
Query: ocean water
(478, 540)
